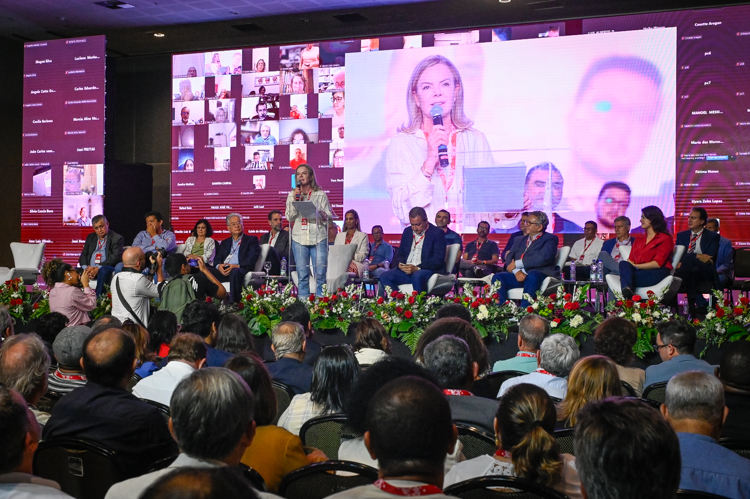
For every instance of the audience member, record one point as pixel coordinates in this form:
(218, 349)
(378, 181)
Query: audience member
(235, 256)
(460, 329)
(185, 286)
(233, 335)
(24, 367)
(556, 357)
(145, 359)
(202, 483)
(333, 376)
(49, 326)
(155, 237)
(442, 221)
(725, 258)
(585, 251)
(625, 449)
(449, 359)
(675, 343)
(592, 378)
(212, 422)
(481, 255)
(610, 254)
(69, 293)
(453, 310)
(161, 329)
(694, 407)
(200, 245)
(698, 263)
(187, 354)
(734, 373)
(353, 235)
(298, 312)
(372, 343)
(68, 350)
(102, 411)
(532, 330)
(101, 252)
(106, 321)
(379, 253)
(7, 324)
(203, 319)
(416, 411)
(20, 434)
(288, 345)
(615, 338)
(524, 427)
(131, 290)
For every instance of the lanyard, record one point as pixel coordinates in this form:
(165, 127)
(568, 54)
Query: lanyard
(416, 243)
(460, 393)
(417, 490)
(542, 371)
(375, 247)
(586, 247)
(503, 453)
(479, 246)
(101, 243)
(528, 243)
(234, 250)
(70, 377)
(617, 247)
(270, 241)
(526, 354)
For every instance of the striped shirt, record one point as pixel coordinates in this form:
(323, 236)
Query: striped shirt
(62, 383)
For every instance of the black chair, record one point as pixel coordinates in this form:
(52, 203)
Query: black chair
(319, 480)
(565, 440)
(696, 494)
(163, 409)
(741, 270)
(135, 379)
(741, 447)
(475, 441)
(502, 487)
(284, 396)
(253, 477)
(83, 469)
(628, 390)
(494, 381)
(326, 433)
(656, 392)
(48, 401)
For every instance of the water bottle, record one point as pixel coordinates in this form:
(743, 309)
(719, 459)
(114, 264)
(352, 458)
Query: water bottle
(283, 267)
(599, 271)
(366, 272)
(573, 270)
(386, 265)
(592, 274)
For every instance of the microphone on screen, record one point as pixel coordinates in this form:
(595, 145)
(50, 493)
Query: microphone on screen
(437, 119)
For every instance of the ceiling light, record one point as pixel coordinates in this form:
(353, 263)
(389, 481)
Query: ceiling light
(115, 4)
(159, 35)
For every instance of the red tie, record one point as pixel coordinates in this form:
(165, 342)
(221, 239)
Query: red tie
(693, 242)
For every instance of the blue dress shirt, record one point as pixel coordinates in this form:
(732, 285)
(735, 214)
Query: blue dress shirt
(709, 467)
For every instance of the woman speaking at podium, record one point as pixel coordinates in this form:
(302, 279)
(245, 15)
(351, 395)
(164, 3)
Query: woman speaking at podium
(309, 233)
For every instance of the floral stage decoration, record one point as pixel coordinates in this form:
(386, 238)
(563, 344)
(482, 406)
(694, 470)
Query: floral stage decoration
(262, 307)
(404, 316)
(564, 311)
(727, 322)
(488, 317)
(22, 304)
(645, 313)
(103, 304)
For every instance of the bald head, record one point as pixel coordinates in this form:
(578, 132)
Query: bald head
(24, 365)
(132, 256)
(109, 357)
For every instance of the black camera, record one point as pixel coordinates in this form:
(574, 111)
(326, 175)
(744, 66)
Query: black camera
(151, 264)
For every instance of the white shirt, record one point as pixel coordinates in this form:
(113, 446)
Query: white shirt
(160, 385)
(354, 450)
(311, 232)
(697, 242)
(616, 248)
(592, 250)
(554, 386)
(415, 255)
(137, 289)
(16, 485)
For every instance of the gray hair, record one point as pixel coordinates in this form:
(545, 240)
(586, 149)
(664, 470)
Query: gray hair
(541, 218)
(6, 321)
(287, 337)
(695, 395)
(418, 211)
(533, 329)
(623, 219)
(211, 410)
(558, 354)
(97, 218)
(232, 215)
(27, 372)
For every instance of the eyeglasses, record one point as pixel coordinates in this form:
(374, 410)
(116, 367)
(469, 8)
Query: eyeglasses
(659, 347)
(532, 223)
(337, 99)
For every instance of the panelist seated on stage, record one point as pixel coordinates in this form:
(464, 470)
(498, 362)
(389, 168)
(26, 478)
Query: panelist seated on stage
(235, 256)
(523, 230)
(649, 260)
(277, 237)
(200, 244)
(698, 264)
(481, 255)
(532, 259)
(610, 254)
(353, 235)
(585, 251)
(725, 258)
(442, 221)
(379, 253)
(101, 252)
(155, 237)
(423, 251)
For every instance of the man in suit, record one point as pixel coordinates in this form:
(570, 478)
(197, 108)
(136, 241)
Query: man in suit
(235, 256)
(675, 343)
(101, 252)
(725, 258)
(278, 239)
(531, 259)
(288, 345)
(523, 231)
(698, 264)
(423, 251)
(610, 253)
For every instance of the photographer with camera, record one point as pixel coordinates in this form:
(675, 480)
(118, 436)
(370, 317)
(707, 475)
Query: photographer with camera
(132, 290)
(183, 286)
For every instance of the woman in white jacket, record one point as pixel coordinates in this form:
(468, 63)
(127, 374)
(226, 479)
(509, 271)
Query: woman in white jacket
(200, 244)
(352, 234)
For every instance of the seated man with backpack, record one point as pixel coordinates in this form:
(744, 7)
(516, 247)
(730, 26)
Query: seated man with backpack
(184, 287)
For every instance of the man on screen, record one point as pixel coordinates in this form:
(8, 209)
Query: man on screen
(540, 196)
(185, 117)
(613, 202)
(255, 164)
(299, 159)
(265, 138)
(101, 252)
(261, 111)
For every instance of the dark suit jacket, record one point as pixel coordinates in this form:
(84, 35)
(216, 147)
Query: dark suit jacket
(248, 253)
(292, 373)
(113, 248)
(609, 244)
(281, 246)
(509, 245)
(709, 242)
(540, 256)
(433, 249)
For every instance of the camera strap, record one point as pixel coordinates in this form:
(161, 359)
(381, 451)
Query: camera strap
(127, 305)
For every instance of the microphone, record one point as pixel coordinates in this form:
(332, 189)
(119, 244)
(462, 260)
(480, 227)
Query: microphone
(296, 195)
(437, 119)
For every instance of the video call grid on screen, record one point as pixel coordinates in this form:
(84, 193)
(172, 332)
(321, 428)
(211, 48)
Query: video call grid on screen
(598, 120)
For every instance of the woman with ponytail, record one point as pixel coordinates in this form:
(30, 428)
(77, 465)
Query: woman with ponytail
(70, 293)
(526, 447)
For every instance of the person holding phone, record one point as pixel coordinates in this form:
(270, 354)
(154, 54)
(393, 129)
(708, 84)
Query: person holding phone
(200, 244)
(309, 237)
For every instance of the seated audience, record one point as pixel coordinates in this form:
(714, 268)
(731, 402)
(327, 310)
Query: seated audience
(585, 251)
(297, 312)
(200, 244)
(155, 237)
(532, 329)
(24, 367)
(698, 263)
(101, 252)
(460, 329)
(49, 326)
(234, 335)
(379, 253)
(161, 330)
(481, 255)
(610, 254)
(106, 321)
(203, 319)
(353, 235)
(615, 338)
(449, 360)
(235, 256)
(212, 421)
(102, 411)
(6, 324)
(183, 287)
(675, 343)
(694, 407)
(288, 345)
(187, 354)
(372, 343)
(453, 310)
(203, 483)
(145, 358)
(274, 451)
(734, 373)
(592, 378)
(416, 411)
(725, 257)
(68, 350)
(625, 449)
(69, 293)
(524, 425)
(334, 374)
(19, 434)
(556, 357)
(132, 290)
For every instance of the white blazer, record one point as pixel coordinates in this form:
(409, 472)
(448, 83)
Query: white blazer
(362, 243)
(209, 249)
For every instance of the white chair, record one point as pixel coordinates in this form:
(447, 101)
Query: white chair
(548, 282)
(670, 283)
(27, 259)
(180, 248)
(439, 284)
(256, 273)
(339, 257)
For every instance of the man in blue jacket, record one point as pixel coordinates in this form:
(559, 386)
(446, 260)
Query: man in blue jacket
(235, 256)
(698, 264)
(530, 260)
(423, 251)
(725, 259)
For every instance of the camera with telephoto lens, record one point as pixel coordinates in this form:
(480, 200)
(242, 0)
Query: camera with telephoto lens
(151, 259)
